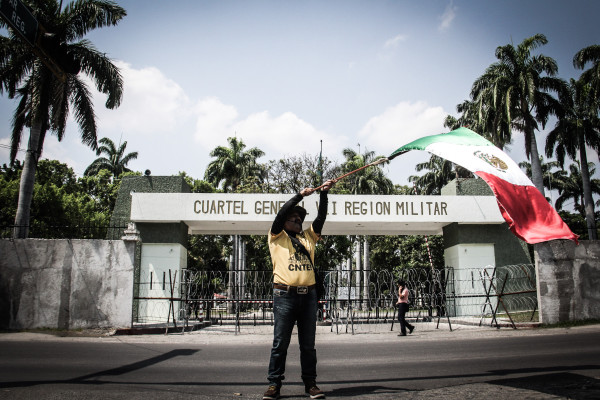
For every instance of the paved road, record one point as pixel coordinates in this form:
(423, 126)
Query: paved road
(466, 363)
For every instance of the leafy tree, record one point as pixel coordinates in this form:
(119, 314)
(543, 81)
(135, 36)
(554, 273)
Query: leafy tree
(576, 223)
(578, 126)
(12, 172)
(233, 165)
(207, 252)
(412, 251)
(517, 89)
(45, 99)
(331, 251)
(197, 185)
(56, 173)
(385, 252)
(440, 172)
(552, 177)
(9, 193)
(257, 252)
(294, 173)
(102, 189)
(371, 180)
(62, 205)
(404, 189)
(115, 161)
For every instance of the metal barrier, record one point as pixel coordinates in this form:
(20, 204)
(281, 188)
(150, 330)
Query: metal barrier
(352, 301)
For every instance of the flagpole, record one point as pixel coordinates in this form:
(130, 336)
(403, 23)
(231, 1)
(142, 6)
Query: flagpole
(320, 170)
(377, 162)
(426, 236)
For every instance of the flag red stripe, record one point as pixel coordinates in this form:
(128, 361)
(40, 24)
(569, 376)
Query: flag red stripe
(526, 211)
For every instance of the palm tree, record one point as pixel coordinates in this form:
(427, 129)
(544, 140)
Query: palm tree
(371, 180)
(440, 172)
(468, 117)
(517, 92)
(45, 99)
(572, 188)
(578, 126)
(115, 161)
(553, 175)
(589, 54)
(233, 165)
(480, 118)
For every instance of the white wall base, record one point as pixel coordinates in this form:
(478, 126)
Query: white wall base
(467, 261)
(160, 278)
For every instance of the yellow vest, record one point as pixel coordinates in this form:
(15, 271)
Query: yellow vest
(290, 267)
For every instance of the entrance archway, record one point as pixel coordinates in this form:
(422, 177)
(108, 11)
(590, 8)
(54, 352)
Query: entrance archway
(166, 212)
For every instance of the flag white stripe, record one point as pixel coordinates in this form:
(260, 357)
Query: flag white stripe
(488, 159)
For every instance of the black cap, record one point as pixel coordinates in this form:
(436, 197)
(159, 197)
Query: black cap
(300, 210)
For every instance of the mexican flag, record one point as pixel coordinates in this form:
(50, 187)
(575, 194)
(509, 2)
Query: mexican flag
(526, 211)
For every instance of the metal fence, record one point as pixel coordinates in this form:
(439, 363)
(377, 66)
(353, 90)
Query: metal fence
(82, 230)
(352, 301)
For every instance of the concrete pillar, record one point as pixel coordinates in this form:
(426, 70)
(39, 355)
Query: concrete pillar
(568, 283)
(348, 294)
(233, 265)
(366, 271)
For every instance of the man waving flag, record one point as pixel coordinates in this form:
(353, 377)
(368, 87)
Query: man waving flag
(525, 209)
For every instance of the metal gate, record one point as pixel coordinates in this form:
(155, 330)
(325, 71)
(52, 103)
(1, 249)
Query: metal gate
(352, 301)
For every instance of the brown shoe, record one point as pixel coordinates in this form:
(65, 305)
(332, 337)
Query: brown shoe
(313, 391)
(272, 393)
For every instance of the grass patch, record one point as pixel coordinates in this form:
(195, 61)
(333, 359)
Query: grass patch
(521, 317)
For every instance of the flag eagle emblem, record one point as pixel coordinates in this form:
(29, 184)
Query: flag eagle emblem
(494, 161)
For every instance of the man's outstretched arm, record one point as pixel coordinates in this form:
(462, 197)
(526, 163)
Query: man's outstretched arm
(323, 204)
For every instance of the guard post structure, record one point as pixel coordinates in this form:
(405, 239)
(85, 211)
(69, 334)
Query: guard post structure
(161, 255)
(471, 246)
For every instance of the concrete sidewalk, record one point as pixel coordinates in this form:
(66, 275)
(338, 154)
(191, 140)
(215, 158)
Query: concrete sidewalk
(228, 334)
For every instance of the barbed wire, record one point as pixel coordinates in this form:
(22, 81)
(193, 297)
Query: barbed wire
(362, 300)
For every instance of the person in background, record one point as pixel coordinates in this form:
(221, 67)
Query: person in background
(403, 308)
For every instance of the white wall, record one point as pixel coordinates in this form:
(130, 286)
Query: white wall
(467, 260)
(66, 284)
(160, 276)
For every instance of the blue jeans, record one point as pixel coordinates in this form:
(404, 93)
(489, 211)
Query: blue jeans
(290, 308)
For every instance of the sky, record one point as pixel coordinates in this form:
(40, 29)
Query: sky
(285, 75)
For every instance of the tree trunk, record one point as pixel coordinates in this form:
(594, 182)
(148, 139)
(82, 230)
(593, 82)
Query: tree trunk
(536, 165)
(21, 229)
(359, 268)
(587, 191)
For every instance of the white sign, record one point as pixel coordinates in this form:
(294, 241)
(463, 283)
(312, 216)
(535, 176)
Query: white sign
(226, 213)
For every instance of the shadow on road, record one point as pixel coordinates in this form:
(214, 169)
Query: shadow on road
(564, 384)
(551, 380)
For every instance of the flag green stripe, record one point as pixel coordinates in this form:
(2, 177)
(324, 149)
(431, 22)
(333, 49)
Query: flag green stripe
(460, 136)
